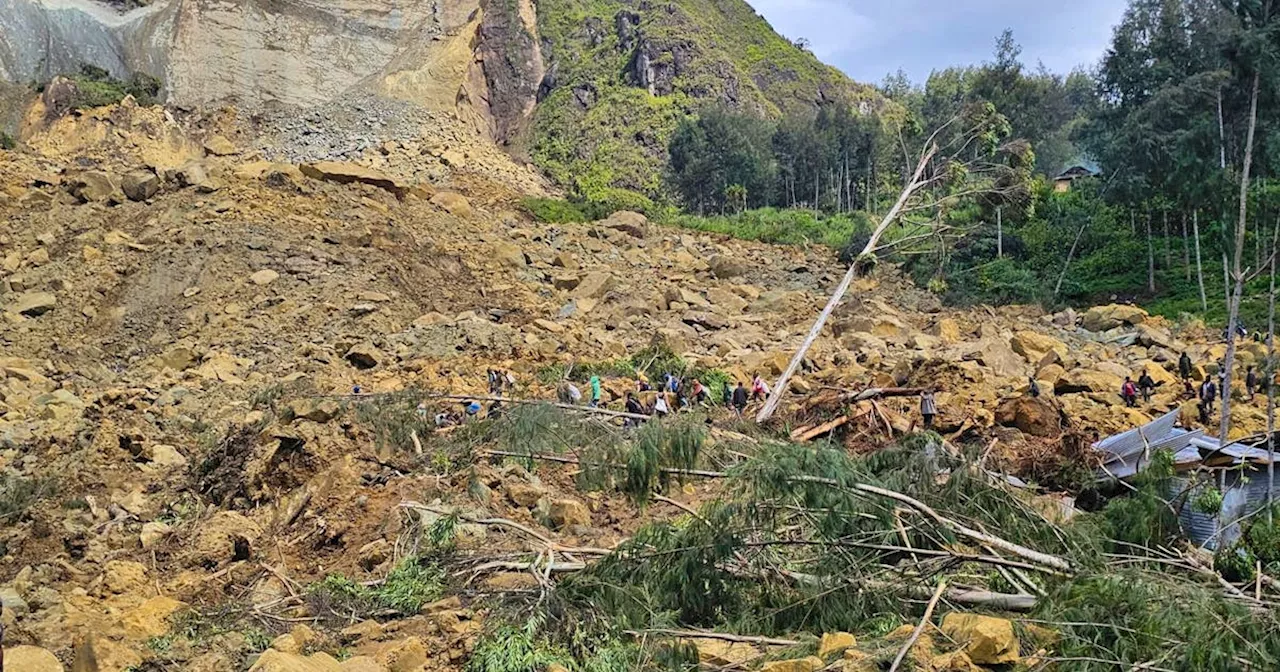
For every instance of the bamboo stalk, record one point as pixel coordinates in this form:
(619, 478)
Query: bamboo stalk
(915, 634)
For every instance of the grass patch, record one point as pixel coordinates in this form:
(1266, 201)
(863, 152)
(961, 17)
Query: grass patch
(96, 87)
(18, 495)
(413, 584)
(782, 226)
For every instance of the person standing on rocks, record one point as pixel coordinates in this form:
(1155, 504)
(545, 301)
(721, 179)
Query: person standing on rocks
(595, 392)
(739, 399)
(633, 406)
(759, 389)
(1208, 394)
(660, 407)
(1184, 366)
(699, 392)
(928, 408)
(726, 394)
(1250, 382)
(1146, 384)
(1129, 392)
(1033, 388)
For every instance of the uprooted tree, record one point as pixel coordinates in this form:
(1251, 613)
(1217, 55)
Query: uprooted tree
(966, 157)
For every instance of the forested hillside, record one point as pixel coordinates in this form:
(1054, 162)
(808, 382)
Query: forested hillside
(748, 141)
(622, 76)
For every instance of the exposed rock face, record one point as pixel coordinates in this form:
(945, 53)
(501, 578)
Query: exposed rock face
(511, 58)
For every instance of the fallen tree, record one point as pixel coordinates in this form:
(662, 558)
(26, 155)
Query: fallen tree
(959, 159)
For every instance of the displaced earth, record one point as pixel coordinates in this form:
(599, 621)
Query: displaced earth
(183, 320)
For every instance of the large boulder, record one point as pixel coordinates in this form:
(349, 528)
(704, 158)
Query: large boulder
(1037, 416)
(807, 664)
(94, 186)
(985, 639)
(139, 185)
(565, 512)
(32, 304)
(364, 356)
(272, 660)
(345, 172)
(631, 223)
(947, 330)
(1087, 380)
(197, 175)
(995, 354)
(594, 285)
(1102, 318)
(724, 267)
(1034, 346)
(26, 658)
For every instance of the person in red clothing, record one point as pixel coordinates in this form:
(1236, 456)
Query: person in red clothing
(1129, 392)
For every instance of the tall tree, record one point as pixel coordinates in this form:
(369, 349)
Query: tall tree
(1258, 19)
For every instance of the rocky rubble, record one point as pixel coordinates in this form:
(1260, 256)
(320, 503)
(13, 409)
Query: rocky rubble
(178, 363)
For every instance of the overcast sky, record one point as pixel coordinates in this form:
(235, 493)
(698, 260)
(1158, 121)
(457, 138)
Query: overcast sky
(869, 39)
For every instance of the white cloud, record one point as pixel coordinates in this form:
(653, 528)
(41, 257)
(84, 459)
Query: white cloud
(871, 38)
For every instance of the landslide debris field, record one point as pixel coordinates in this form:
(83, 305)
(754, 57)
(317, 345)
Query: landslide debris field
(187, 484)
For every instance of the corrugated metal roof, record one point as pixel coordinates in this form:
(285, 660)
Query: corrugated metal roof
(1138, 439)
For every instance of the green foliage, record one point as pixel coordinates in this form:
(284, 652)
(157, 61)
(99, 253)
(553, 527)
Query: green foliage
(602, 135)
(552, 210)
(95, 87)
(393, 419)
(7, 141)
(1139, 616)
(18, 495)
(722, 160)
(411, 585)
(510, 649)
(1236, 563)
(1262, 534)
(787, 227)
(1208, 501)
(1144, 517)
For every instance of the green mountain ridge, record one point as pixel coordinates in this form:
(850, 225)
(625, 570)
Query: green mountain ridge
(622, 75)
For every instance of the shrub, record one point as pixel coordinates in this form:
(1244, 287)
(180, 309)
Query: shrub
(18, 494)
(96, 87)
(7, 141)
(553, 210)
(411, 585)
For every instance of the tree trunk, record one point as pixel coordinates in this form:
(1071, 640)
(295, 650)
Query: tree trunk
(1186, 248)
(1238, 273)
(1195, 231)
(1070, 253)
(1168, 253)
(1270, 377)
(999, 235)
(779, 387)
(1222, 136)
(1151, 259)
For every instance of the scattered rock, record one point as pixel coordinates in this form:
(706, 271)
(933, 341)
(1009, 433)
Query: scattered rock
(264, 277)
(26, 658)
(33, 304)
(566, 512)
(632, 223)
(364, 356)
(807, 664)
(835, 642)
(1102, 318)
(985, 639)
(139, 185)
(272, 660)
(122, 576)
(725, 267)
(453, 203)
(153, 533)
(510, 254)
(218, 145)
(94, 186)
(595, 285)
(315, 410)
(344, 172)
